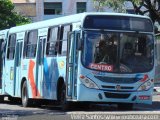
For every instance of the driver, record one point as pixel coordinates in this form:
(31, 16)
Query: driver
(102, 52)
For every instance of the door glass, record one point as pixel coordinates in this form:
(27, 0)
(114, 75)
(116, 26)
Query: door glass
(71, 50)
(18, 53)
(70, 64)
(41, 50)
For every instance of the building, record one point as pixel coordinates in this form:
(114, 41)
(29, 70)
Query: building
(26, 8)
(39, 10)
(56, 8)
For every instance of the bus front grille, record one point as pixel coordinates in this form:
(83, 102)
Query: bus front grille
(122, 87)
(117, 80)
(116, 95)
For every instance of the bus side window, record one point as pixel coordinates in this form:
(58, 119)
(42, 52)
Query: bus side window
(31, 44)
(52, 45)
(63, 39)
(11, 47)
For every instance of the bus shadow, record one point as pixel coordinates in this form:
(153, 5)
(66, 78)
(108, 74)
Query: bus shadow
(28, 112)
(54, 109)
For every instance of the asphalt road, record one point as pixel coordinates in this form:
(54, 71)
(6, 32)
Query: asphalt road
(14, 111)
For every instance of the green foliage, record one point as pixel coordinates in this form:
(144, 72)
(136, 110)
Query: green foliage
(8, 17)
(99, 4)
(116, 5)
(142, 7)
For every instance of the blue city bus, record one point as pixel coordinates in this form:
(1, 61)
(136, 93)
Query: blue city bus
(81, 58)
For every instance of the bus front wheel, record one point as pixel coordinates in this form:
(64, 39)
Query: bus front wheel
(24, 95)
(63, 102)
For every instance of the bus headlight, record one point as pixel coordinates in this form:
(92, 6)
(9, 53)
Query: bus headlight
(88, 83)
(145, 86)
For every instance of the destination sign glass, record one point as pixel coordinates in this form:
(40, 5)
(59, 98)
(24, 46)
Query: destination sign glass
(118, 23)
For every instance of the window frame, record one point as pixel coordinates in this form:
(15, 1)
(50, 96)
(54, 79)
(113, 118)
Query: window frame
(49, 41)
(59, 40)
(27, 53)
(53, 10)
(60, 45)
(13, 46)
(81, 7)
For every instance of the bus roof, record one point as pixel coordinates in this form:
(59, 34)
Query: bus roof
(65, 20)
(4, 31)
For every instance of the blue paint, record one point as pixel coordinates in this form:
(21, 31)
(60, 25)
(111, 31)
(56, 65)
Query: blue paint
(46, 82)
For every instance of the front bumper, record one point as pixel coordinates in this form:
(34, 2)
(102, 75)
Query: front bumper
(96, 95)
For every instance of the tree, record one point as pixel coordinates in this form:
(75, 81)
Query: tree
(151, 7)
(8, 17)
(142, 7)
(116, 5)
(99, 4)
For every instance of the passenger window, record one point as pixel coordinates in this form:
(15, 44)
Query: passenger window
(11, 47)
(52, 45)
(63, 39)
(31, 44)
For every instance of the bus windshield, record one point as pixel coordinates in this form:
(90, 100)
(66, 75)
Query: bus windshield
(118, 52)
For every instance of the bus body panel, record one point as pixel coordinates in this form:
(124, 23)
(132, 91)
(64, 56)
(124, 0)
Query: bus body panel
(54, 68)
(9, 82)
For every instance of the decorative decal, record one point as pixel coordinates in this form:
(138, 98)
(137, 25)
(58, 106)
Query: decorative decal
(11, 73)
(145, 78)
(32, 80)
(61, 64)
(102, 67)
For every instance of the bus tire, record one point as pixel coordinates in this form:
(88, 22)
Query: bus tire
(63, 102)
(1, 98)
(14, 100)
(24, 95)
(125, 106)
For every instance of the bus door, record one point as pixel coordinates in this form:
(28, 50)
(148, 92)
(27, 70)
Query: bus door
(1, 59)
(17, 68)
(40, 61)
(10, 65)
(71, 81)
